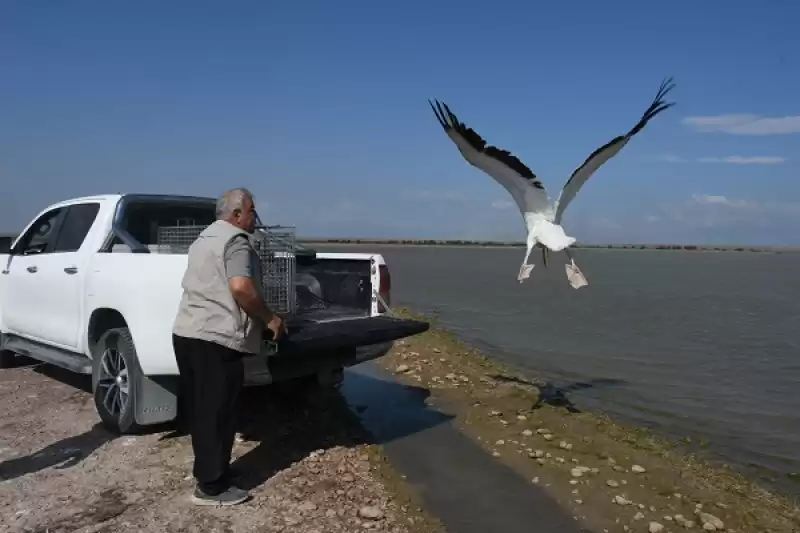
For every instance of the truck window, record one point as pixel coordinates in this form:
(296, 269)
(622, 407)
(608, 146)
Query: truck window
(77, 223)
(142, 219)
(40, 234)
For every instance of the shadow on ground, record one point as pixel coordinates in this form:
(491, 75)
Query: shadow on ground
(60, 454)
(289, 423)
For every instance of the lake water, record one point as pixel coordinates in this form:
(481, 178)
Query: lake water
(698, 344)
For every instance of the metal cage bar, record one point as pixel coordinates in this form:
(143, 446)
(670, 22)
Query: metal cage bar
(276, 247)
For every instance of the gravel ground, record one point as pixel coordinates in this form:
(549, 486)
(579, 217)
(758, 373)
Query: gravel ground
(307, 464)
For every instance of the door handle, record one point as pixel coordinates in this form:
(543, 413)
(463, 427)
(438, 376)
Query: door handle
(32, 269)
(71, 270)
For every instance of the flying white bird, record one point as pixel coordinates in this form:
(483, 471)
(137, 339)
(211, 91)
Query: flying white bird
(542, 218)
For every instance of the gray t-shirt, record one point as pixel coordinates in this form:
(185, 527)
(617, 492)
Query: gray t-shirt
(240, 258)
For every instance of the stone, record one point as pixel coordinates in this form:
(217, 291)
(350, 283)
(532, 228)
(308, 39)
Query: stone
(370, 512)
(638, 516)
(637, 469)
(527, 433)
(402, 369)
(612, 483)
(707, 518)
(307, 506)
(655, 527)
(542, 431)
(547, 437)
(619, 500)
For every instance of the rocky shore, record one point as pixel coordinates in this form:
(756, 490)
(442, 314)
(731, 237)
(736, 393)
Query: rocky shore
(608, 476)
(302, 455)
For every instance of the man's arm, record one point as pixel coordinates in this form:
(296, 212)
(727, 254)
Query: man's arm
(240, 280)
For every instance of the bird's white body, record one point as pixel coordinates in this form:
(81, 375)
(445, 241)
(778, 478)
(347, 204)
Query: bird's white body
(542, 218)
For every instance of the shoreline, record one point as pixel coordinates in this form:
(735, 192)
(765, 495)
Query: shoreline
(436, 243)
(610, 476)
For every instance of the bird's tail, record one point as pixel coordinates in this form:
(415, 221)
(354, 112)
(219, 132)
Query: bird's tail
(552, 236)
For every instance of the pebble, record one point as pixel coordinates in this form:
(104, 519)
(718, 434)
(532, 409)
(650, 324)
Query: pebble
(522, 417)
(307, 506)
(500, 442)
(619, 500)
(547, 437)
(565, 445)
(612, 483)
(527, 433)
(638, 516)
(655, 527)
(542, 431)
(707, 519)
(496, 454)
(535, 480)
(370, 513)
(495, 413)
(401, 369)
(537, 454)
(638, 469)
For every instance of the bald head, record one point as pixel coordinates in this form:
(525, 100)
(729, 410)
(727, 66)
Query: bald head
(237, 207)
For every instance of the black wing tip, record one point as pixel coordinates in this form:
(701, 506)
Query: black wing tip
(657, 106)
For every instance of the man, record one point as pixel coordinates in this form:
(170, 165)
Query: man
(220, 320)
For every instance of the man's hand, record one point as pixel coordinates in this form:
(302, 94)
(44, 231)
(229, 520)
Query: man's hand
(277, 326)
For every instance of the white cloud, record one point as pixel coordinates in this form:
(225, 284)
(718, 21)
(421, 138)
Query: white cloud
(745, 124)
(669, 158)
(732, 159)
(707, 211)
(719, 200)
(502, 204)
(743, 160)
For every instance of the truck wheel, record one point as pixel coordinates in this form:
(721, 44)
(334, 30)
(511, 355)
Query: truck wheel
(115, 377)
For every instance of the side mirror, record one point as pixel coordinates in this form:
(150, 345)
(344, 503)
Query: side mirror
(5, 243)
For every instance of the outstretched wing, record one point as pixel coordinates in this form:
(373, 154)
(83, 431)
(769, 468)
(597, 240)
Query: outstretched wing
(523, 185)
(582, 174)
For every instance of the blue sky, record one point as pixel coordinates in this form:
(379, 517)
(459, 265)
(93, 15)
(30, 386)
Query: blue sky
(321, 109)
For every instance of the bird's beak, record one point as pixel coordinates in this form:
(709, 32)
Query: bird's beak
(545, 252)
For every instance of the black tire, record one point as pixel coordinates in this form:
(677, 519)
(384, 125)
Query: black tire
(115, 380)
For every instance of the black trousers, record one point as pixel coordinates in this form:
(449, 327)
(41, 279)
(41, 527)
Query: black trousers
(210, 381)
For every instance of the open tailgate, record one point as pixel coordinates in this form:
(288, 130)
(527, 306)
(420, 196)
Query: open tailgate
(308, 336)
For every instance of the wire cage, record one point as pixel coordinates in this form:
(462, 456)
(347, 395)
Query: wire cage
(276, 247)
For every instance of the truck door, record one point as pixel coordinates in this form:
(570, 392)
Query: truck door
(24, 301)
(61, 278)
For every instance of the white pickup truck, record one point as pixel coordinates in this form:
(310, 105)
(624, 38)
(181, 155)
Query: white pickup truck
(85, 288)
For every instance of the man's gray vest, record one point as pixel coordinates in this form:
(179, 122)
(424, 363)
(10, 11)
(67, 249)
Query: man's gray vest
(208, 310)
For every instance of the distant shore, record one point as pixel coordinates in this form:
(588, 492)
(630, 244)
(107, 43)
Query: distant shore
(350, 241)
(518, 244)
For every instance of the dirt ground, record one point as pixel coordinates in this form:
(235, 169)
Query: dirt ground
(308, 465)
(611, 477)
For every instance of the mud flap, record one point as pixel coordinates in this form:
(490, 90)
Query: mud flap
(156, 400)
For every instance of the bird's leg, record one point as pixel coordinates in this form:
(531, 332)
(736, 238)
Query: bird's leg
(525, 269)
(574, 275)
